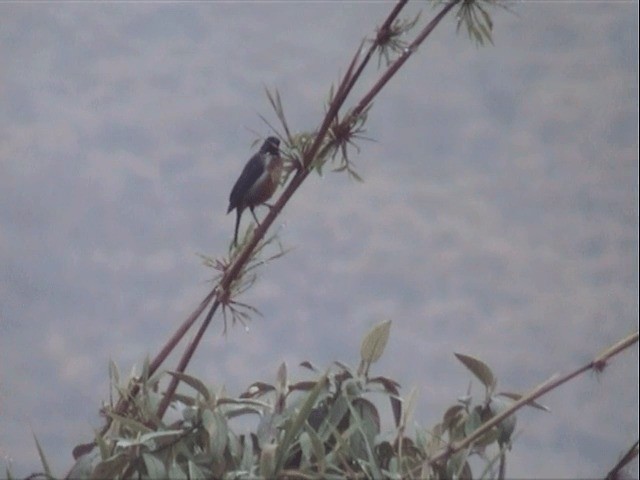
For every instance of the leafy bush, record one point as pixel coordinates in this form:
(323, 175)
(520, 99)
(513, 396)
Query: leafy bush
(325, 427)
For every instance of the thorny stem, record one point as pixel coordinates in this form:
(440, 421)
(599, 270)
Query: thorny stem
(235, 268)
(392, 70)
(382, 31)
(346, 85)
(349, 80)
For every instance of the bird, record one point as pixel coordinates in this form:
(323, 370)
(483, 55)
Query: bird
(257, 182)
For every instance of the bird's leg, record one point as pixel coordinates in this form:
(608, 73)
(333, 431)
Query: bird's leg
(254, 215)
(238, 215)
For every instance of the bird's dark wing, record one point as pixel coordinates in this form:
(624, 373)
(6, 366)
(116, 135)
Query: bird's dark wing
(250, 174)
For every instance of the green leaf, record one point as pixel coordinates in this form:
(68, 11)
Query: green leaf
(452, 415)
(518, 396)
(472, 422)
(246, 461)
(298, 421)
(506, 427)
(194, 383)
(488, 438)
(304, 386)
(217, 428)
(374, 342)
(114, 374)
(195, 472)
(389, 385)
(364, 425)
(304, 442)
(480, 369)
(333, 417)
(409, 407)
(308, 365)
(267, 461)
(133, 425)
(175, 472)
(144, 375)
(456, 464)
(43, 458)
(421, 440)
(318, 450)
(84, 465)
(435, 441)
(257, 389)
(102, 445)
(391, 388)
(155, 468)
(112, 467)
(148, 437)
(369, 416)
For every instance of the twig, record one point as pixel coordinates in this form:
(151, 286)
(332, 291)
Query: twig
(123, 402)
(626, 458)
(554, 382)
(184, 360)
(349, 79)
(395, 66)
(243, 257)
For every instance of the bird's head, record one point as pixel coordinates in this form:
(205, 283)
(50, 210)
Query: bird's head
(271, 145)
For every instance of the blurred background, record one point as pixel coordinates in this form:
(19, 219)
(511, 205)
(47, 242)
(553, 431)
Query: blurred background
(498, 215)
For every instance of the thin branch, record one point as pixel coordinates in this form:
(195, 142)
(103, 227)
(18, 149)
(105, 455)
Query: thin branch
(343, 90)
(345, 87)
(171, 344)
(393, 69)
(597, 364)
(347, 83)
(624, 461)
(185, 359)
(182, 330)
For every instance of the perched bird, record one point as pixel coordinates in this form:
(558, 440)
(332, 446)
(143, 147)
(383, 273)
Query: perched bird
(257, 182)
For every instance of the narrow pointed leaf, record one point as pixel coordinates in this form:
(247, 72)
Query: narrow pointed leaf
(532, 403)
(308, 365)
(194, 383)
(374, 343)
(480, 369)
(43, 458)
(298, 421)
(155, 468)
(111, 468)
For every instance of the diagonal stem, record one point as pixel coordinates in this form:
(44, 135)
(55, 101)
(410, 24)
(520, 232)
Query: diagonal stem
(346, 85)
(185, 359)
(597, 364)
(236, 267)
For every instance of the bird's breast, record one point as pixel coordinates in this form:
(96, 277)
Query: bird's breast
(274, 168)
(267, 183)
